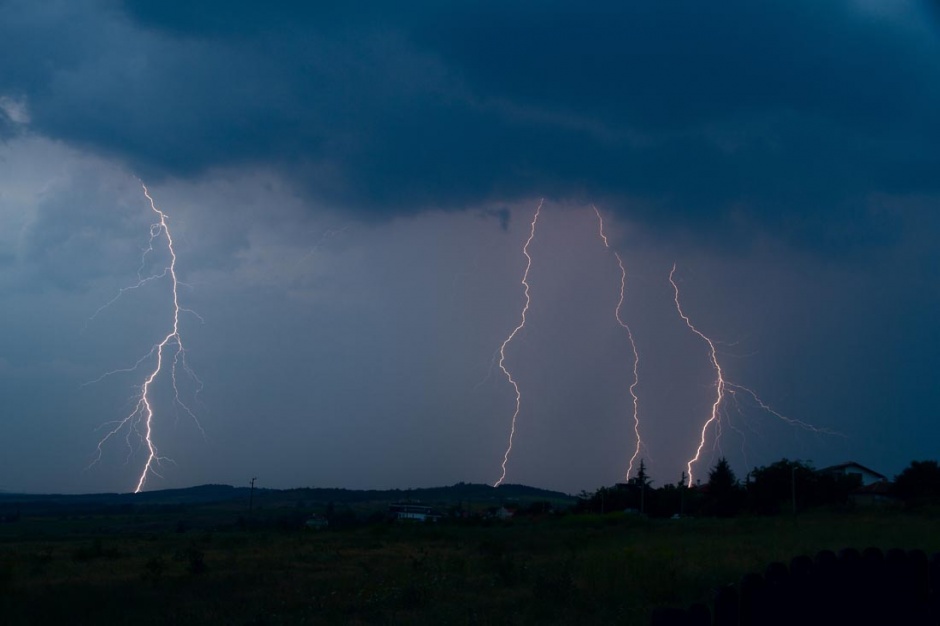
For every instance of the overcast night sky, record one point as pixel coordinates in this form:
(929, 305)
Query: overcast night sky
(349, 192)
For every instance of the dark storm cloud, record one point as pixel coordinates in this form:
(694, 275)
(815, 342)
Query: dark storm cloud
(782, 117)
(77, 233)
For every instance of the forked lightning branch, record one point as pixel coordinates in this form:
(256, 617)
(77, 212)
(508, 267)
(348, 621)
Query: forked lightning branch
(166, 357)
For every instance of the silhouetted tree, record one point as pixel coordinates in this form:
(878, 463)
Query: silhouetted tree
(721, 478)
(641, 478)
(669, 499)
(629, 495)
(771, 488)
(834, 489)
(640, 483)
(919, 482)
(723, 493)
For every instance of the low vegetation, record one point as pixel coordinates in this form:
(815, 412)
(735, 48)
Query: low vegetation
(199, 563)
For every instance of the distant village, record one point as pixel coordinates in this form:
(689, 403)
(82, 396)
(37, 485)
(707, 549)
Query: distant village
(784, 487)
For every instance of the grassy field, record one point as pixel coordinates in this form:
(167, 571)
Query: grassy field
(152, 569)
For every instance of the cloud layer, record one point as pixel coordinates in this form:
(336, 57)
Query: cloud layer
(783, 118)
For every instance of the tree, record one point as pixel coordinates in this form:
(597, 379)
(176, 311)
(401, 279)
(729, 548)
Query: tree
(640, 482)
(723, 491)
(772, 488)
(721, 478)
(606, 499)
(919, 482)
(641, 479)
(619, 497)
(671, 499)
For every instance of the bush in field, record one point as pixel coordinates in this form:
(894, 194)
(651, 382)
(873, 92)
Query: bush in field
(95, 550)
(196, 560)
(154, 568)
(193, 557)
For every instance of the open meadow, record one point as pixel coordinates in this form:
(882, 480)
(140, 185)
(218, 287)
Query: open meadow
(200, 565)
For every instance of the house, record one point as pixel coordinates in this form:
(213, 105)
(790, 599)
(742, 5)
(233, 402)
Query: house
(316, 522)
(402, 511)
(504, 514)
(873, 489)
(866, 476)
(875, 494)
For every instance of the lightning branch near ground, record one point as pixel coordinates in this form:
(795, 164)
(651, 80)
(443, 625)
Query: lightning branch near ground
(167, 354)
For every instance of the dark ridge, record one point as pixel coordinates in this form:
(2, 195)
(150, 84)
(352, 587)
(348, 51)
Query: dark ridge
(207, 494)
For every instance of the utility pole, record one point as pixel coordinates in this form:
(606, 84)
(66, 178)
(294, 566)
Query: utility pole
(793, 487)
(251, 494)
(682, 486)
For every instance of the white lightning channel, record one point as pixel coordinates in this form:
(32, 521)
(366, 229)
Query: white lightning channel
(725, 388)
(502, 348)
(636, 355)
(719, 382)
(140, 420)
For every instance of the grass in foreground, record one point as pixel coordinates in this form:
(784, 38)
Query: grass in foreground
(585, 569)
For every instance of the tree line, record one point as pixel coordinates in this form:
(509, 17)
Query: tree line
(782, 487)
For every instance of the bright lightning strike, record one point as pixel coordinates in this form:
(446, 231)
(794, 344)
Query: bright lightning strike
(140, 420)
(502, 348)
(636, 355)
(725, 388)
(719, 381)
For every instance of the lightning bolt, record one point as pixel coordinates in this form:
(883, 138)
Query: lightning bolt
(140, 420)
(636, 355)
(725, 388)
(719, 382)
(502, 348)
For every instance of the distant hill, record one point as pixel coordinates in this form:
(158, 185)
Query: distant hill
(475, 492)
(210, 494)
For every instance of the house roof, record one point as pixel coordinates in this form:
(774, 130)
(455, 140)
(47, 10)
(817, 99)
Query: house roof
(880, 488)
(841, 467)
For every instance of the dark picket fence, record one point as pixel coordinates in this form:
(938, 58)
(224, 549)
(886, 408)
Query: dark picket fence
(853, 588)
